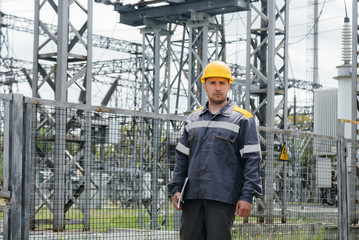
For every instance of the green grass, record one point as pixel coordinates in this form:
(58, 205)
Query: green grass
(106, 218)
(115, 217)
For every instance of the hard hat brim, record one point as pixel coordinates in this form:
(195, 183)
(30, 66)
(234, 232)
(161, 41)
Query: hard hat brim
(203, 79)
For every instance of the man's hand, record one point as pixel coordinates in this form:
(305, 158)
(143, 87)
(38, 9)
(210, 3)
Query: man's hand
(243, 208)
(175, 200)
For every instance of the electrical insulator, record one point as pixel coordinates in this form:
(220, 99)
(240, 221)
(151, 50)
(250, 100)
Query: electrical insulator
(346, 42)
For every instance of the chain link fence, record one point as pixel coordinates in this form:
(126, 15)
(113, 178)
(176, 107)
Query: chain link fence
(102, 173)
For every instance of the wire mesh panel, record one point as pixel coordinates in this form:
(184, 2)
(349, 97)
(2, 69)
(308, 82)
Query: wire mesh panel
(101, 173)
(304, 191)
(121, 185)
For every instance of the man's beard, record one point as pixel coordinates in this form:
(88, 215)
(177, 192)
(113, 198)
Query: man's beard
(217, 102)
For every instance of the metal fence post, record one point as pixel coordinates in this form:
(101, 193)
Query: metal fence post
(32, 161)
(6, 212)
(87, 168)
(154, 176)
(5, 193)
(59, 171)
(343, 215)
(16, 167)
(27, 173)
(285, 189)
(269, 175)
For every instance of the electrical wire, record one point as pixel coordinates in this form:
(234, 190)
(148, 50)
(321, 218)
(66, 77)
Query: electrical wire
(305, 6)
(322, 20)
(314, 25)
(345, 6)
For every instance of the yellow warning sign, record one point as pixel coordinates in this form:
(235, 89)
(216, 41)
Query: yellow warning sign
(284, 154)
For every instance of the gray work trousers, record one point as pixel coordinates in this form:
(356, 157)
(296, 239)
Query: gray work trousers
(206, 220)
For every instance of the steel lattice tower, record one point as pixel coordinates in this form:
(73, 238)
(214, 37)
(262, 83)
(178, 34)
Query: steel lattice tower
(65, 50)
(204, 37)
(267, 77)
(62, 46)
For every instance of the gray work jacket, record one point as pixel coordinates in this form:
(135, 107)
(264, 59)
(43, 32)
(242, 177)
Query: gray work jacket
(220, 155)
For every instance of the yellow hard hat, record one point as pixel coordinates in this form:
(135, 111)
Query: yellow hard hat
(217, 69)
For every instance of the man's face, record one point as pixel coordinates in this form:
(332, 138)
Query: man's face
(217, 89)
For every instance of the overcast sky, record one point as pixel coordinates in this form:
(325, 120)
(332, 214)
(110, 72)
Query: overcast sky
(330, 25)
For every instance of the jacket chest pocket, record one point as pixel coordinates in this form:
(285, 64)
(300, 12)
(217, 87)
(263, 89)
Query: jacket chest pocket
(224, 141)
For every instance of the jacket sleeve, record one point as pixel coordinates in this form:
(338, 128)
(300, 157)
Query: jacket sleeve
(251, 154)
(181, 168)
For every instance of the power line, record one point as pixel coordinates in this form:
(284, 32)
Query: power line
(322, 20)
(345, 6)
(311, 29)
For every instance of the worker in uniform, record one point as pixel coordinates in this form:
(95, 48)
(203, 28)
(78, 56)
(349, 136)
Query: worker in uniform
(219, 154)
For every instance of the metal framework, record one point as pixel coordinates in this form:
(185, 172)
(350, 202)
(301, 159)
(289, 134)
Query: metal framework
(205, 35)
(131, 65)
(156, 69)
(6, 77)
(174, 10)
(267, 59)
(156, 59)
(27, 25)
(204, 46)
(267, 46)
(104, 72)
(68, 49)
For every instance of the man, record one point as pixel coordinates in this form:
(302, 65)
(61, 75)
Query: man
(220, 154)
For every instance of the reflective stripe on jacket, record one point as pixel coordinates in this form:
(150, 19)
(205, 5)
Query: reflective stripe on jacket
(220, 155)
